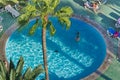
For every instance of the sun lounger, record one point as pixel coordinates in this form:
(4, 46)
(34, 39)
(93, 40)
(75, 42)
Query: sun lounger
(113, 33)
(110, 31)
(10, 9)
(87, 5)
(117, 24)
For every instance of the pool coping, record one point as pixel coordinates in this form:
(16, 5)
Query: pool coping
(92, 76)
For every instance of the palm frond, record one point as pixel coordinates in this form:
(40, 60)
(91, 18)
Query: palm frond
(12, 66)
(51, 28)
(1, 76)
(54, 3)
(37, 70)
(12, 74)
(27, 75)
(65, 21)
(42, 6)
(2, 2)
(64, 12)
(3, 69)
(33, 28)
(19, 66)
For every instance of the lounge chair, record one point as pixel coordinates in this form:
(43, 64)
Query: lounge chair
(117, 24)
(10, 9)
(110, 31)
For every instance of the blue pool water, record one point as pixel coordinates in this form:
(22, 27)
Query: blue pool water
(73, 61)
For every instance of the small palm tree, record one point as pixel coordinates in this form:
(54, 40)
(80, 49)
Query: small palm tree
(42, 9)
(16, 73)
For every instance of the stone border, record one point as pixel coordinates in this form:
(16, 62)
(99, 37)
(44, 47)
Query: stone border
(92, 76)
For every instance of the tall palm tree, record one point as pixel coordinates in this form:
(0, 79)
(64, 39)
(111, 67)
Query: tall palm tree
(42, 9)
(16, 73)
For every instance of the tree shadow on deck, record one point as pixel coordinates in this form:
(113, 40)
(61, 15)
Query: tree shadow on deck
(103, 75)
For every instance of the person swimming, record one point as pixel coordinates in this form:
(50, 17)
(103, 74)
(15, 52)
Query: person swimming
(77, 38)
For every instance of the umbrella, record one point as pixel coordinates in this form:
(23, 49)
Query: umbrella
(116, 34)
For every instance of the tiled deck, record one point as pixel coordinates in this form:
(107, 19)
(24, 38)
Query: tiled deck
(93, 76)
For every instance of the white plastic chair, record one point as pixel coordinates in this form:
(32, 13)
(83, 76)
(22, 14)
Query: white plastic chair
(1, 28)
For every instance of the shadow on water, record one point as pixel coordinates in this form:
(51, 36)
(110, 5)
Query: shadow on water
(71, 59)
(61, 52)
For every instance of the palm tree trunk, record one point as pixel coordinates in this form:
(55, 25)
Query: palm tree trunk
(44, 53)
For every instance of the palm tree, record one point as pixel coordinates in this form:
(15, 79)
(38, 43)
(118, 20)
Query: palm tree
(16, 73)
(42, 9)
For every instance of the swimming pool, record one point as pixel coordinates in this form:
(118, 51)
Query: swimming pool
(67, 59)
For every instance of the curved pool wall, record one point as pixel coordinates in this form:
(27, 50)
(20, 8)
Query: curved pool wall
(67, 59)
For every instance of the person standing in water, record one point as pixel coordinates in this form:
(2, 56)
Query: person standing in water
(77, 38)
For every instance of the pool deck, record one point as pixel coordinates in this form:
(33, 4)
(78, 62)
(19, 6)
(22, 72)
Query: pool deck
(3, 40)
(94, 75)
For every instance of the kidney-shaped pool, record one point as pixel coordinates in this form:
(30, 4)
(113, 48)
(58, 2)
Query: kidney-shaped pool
(68, 59)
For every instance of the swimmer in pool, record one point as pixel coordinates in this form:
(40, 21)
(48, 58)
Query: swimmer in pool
(77, 38)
